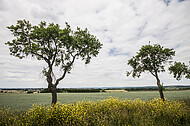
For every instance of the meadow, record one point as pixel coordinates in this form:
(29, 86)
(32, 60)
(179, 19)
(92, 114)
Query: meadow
(25, 101)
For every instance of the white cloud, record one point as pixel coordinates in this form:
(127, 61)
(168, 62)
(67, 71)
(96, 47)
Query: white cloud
(122, 26)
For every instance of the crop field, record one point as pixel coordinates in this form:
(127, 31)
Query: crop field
(25, 101)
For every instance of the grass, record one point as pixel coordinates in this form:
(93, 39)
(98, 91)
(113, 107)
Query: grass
(108, 112)
(25, 101)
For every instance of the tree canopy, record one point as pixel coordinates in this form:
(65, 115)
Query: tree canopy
(180, 69)
(150, 58)
(57, 47)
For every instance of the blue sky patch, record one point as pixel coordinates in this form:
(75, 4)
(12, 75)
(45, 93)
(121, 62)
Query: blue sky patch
(116, 52)
(181, 0)
(167, 2)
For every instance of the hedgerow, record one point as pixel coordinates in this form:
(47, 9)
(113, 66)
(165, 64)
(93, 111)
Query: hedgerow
(112, 112)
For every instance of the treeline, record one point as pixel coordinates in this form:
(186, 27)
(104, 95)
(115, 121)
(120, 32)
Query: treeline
(166, 88)
(142, 89)
(73, 90)
(91, 90)
(176, 88)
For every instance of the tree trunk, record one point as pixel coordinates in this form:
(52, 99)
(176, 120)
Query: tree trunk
(160, 88)
(161, 93)
(51, 86)
(54, 95)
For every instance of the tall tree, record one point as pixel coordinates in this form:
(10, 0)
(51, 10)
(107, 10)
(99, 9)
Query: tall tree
(57, 47)
(151, 58)
(180, 69)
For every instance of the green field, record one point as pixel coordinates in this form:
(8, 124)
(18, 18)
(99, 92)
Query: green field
(25, 101)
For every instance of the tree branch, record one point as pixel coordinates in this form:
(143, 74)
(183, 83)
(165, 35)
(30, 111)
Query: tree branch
(152, 73)
(65, 71)
(55, 54)
(41, 56)
(36, 53)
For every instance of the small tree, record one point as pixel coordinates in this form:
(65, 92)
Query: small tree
(180, 69)
(57, 47)
(151, 59)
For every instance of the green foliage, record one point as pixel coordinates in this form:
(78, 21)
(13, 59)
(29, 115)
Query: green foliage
(45, 91)
(142, 89)
(106, 112)
(30, 92)
(50, 42)
(73, 90)
(57, 47)
(151, 59)
(180, 69)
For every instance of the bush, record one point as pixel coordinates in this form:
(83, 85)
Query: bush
(48, 91)
(81, 90)
(45, 91)
(110, 112)
(30, 92)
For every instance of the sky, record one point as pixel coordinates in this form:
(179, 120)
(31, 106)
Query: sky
(122, 26)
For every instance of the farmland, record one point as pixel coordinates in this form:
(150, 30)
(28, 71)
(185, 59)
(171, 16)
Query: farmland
(25, 101)
(105, 108)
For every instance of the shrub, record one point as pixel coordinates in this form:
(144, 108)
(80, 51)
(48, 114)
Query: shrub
(81, 90)
(45, 91)
(110, 112)
(30, 92)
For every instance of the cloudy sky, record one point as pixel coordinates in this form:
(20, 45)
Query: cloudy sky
(122, 26)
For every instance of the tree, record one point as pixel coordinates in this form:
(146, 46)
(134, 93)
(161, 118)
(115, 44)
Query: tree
(57, 47)
(180, 69)
(151, 58)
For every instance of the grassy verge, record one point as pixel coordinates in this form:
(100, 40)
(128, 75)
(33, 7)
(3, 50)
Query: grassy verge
(105, 112)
